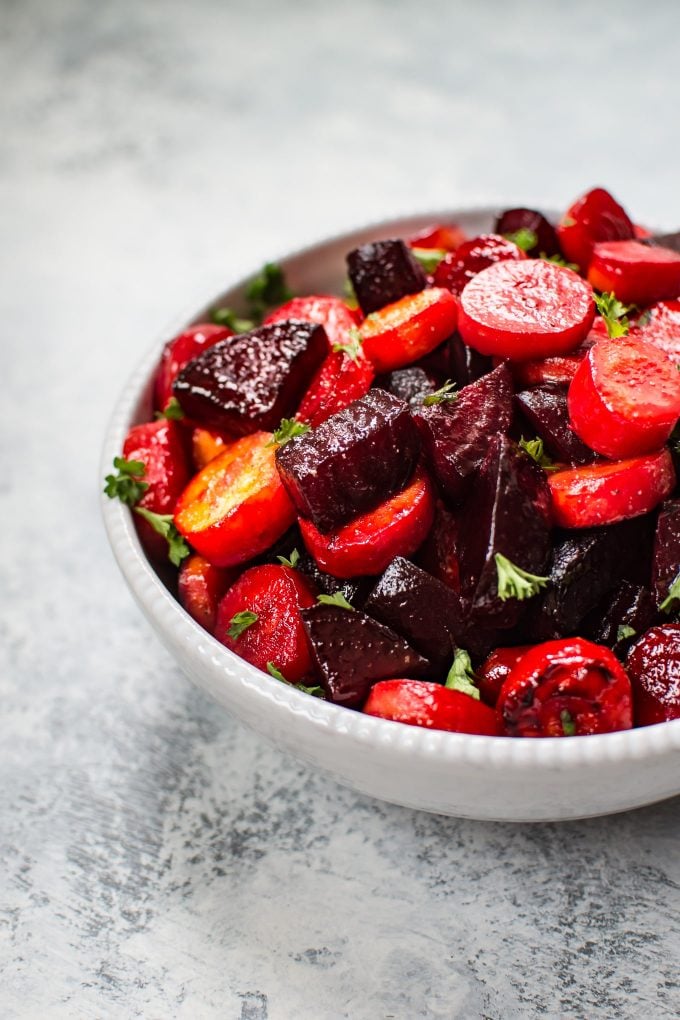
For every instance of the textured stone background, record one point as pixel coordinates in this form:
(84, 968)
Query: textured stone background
(158, 860)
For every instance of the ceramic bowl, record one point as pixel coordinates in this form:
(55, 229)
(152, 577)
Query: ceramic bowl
(448, 773)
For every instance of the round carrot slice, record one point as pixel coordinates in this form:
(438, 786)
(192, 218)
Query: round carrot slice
(639, 274)
(236, 507)
(408, 329)
(624, 399)
(369, 543)
(661, 327)
(596, 216)
(586, 497)
(528, 309)
(434, 706)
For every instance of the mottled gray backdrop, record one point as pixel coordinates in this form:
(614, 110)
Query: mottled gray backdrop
(157, 860)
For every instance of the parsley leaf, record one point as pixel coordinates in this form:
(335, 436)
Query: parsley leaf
(614, 313)
(429, 258)
(127, 485)
(444, 394)
(559, 260)
(673, 597)
(515, 583)
(336, 599)
(228, 317)
(524, 238)
(568, 724)
(287, 430)
(268, 289)
(240, 623)
(461, 676)
(292, 561)
(534, 447)
(353, 346)
(276, 673)
(163, 524)
(624, 632)
(172, 410)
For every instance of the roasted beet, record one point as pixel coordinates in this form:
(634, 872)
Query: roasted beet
(438, 554)
(384, 272)
(512, 220)
(507, 512)
(671, 241)
(666, 558)
(456, 433)
(409, 384)
(419, 608)
(251, 381)
(467, 365)
(352, 652)
(654, 669)
(352, 461)
(545, 408)
(621, 617)
(586, 565)
(354, 590)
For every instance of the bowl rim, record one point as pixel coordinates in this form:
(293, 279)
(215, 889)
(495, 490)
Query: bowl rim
(414, 742)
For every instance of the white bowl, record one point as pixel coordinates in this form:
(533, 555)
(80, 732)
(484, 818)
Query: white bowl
(448, 773)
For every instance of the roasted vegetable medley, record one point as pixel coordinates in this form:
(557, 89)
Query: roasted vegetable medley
(448, 497)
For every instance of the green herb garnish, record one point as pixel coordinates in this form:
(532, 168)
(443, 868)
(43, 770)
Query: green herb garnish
(276, 673)
(228, 317)
(353, 346)
(624, 632)
(524, 238)
(292, 561)
(534, 447)
(673, 597)
(287, 430)
(461, 676)
(445, 394)
(240, 623)
(127, 485)
(336, 599)
(568, 724)
(558, 260)
(515, 583)
(172, 411)
(614, 313)
(429, 258)
(163, 525)
(267, 290)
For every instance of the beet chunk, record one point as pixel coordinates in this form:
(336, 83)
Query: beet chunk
(352, 652)
(467, 365)
(671, 241)
(456, 433)
(512, 220)
(409, 384)
(623, 616)
(419, 608)
(545, 408)
(586, 565)
(352, 462)
(384, 272)
(355, 589)
(251, 381)
(508, 512)
(666, 558)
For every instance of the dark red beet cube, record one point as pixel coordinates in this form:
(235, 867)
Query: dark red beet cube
(654, 670)
(512, 220)
(456, 434)
(251, 381)
(545, 409)
(384, 272)
(508, 511)
(409, 384)
(586, 566)
(421, 609)
(666, 558)
(467, 365)
(621, 618)
(352, 652)
(353, 461)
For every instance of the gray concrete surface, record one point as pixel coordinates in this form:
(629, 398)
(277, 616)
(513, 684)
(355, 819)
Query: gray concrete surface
(157, 859)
